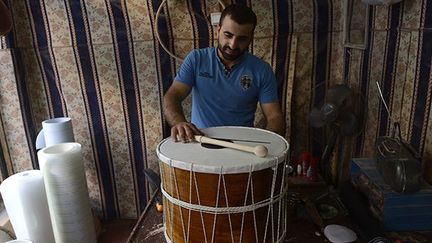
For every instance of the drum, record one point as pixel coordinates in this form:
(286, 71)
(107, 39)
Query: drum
(214, 194)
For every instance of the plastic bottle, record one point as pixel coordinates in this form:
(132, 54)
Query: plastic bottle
(305, 159)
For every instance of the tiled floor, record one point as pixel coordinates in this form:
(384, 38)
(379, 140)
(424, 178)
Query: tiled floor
(116, 231)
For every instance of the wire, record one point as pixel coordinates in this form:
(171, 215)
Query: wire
(385, 104)
(222, 4)
(379, 239)
(158, 36)
(157, 29)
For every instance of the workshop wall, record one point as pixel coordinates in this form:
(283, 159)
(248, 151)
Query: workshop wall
(100, 62)
(398, 57)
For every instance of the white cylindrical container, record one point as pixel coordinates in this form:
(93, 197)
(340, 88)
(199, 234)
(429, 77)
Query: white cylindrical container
(26, 204)
(68, 199)
(19, 241)
(55, 131)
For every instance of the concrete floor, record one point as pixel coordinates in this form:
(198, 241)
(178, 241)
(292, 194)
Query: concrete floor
(116, 231)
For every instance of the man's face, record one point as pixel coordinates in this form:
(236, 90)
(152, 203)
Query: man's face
(233, 38)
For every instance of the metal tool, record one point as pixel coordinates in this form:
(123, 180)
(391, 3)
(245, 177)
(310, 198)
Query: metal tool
(241, 140)
(155, 179)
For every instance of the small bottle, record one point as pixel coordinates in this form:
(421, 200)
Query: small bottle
(299, 169)
(312, 173)
(293, 164)
(305, 159)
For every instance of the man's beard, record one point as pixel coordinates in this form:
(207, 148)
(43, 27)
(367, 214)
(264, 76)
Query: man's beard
(234, 55)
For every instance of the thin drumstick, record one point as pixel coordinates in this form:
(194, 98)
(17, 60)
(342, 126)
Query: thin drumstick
(240, 140)
(260, 150)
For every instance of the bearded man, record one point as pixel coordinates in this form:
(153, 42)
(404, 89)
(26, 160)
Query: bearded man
(226, 82)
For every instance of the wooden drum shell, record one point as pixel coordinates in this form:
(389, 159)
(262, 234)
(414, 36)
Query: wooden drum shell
(183, 185)
(225, 195)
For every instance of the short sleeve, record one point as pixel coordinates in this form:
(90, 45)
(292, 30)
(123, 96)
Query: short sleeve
(268, 90)
(186, 73)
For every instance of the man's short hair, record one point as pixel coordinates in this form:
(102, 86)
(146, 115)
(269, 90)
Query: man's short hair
(240, 13)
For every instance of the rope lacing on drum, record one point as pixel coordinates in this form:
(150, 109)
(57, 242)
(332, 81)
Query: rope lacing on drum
(270, 210)
(281, 205)
(253, 212)
(232, 210)
(226, 200)
(224, 210)
(217, 203)
(245, 202)
(178, 194)
(199, 202)
(190, 201)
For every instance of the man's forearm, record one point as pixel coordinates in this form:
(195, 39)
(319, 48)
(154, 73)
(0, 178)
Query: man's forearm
(277, 125)
(173, 112)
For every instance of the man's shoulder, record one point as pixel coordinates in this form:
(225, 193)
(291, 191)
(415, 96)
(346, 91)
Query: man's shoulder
(256, 61)
(203, 51)
(200, 55)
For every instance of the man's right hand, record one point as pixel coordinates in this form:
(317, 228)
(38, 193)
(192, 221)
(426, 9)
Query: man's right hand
(184, 132)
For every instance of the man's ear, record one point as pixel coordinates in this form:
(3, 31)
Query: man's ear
(218, 30)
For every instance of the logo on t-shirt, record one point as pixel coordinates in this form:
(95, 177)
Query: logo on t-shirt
(205, 75)
(245, 82)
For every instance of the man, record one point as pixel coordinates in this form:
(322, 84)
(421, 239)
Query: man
(226, 82)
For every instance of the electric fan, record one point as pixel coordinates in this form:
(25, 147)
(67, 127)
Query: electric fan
(342, 112)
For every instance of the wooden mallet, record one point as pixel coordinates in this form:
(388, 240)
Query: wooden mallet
(260, 150)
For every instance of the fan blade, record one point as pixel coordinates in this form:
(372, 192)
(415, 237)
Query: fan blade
(348, 123)
(337, 94)
(316, 118)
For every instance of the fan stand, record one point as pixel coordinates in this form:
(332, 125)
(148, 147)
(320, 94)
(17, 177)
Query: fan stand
(325, 157)
(341, 113)
(331, 191)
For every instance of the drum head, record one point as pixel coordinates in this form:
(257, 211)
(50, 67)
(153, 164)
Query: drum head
(200, 158)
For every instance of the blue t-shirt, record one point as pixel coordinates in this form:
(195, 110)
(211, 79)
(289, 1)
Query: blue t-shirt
(221, 98)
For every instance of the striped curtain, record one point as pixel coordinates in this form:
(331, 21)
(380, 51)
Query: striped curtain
(102, 64)
(398, 57)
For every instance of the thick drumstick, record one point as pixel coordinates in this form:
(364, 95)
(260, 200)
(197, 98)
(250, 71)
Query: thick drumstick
(260, 150)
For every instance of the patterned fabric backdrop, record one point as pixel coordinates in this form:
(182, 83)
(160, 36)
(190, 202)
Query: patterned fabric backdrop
(100, 63)
(398, 57)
